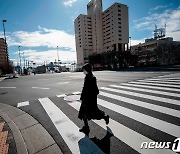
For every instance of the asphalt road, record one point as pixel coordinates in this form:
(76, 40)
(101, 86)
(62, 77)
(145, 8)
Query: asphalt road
(143, 106)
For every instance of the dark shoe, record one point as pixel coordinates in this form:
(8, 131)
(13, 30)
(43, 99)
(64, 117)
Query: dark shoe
(85, 130)
(106, 119)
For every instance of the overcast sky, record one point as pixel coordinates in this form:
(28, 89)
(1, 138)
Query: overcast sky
(39, 26)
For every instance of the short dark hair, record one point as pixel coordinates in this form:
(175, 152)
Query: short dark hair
(87, 67)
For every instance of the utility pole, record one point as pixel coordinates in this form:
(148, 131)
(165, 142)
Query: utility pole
(19, 58)
(58, 55)
(24, 60)
(130, 43)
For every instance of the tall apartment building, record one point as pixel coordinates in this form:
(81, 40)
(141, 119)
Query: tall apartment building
(100, 31)
(3, 52)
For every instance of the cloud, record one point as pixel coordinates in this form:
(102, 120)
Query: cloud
(50, 38)
(69, 2)
(135, 42)
(46, 55)
(42, 44)
(169, 17)
(159, 7)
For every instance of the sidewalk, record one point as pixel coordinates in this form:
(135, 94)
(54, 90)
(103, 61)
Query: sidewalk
(28, 134)
(2, 78)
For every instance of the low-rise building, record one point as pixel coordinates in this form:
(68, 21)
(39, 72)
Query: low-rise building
(162, 51)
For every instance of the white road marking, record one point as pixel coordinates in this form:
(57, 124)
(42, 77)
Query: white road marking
(145, 119)
(80, 76)
(127, 135)
(147, 90)
(157, 108)
(43, 79)
(7, 87)
(40, 88)
(63, 95)
(160, 82)
(68, 130)
(153, 87)
(23, 104)
(76, 93)
(63, 82)
(157, 84)
(155, 98)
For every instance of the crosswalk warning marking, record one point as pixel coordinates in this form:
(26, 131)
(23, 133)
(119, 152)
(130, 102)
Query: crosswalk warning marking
(126, 135)
(68, 130)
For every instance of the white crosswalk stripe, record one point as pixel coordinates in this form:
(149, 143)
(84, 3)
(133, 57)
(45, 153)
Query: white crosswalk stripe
(68, 130)
(111, 98)
(137, 84)
(129, 136)
(150, 121)
(162, 109)
(156, 84)
(146, 90)
(165, 100)
(161, 82)
(164, 79)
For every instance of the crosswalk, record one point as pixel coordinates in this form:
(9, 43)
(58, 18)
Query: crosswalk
(140, 111)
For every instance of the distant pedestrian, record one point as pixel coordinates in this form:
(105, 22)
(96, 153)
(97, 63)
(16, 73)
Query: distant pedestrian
(89, 109)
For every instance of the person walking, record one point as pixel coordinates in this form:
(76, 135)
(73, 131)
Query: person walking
(89, 108)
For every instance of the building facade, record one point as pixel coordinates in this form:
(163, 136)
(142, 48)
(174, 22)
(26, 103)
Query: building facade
(101, 31)
(3, 53)
(154, 51)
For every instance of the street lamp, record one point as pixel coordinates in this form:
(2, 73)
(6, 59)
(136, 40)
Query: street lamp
(6, 45)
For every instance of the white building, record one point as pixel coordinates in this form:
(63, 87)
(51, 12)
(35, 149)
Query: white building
(100, 31)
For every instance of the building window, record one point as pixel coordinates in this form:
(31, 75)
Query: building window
(119, 18)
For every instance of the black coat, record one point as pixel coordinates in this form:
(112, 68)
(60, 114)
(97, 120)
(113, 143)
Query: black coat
(88, 97)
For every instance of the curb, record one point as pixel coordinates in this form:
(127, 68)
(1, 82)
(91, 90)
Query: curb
(29, 135)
